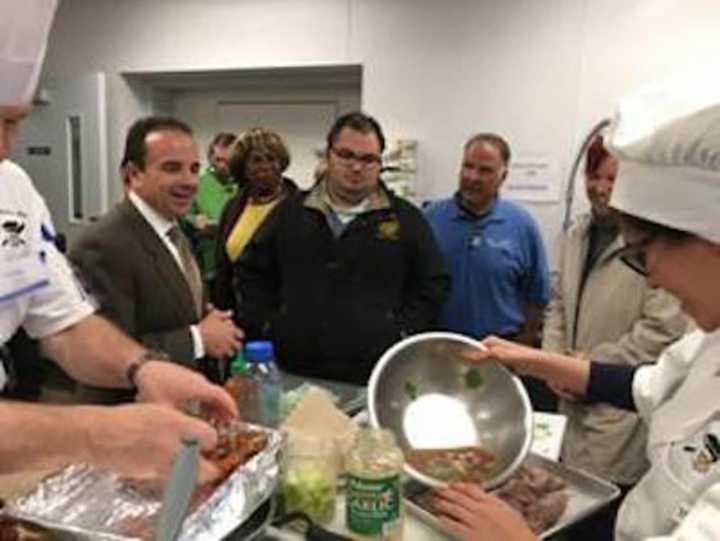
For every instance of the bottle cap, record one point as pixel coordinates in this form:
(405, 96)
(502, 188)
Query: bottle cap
(259, 351)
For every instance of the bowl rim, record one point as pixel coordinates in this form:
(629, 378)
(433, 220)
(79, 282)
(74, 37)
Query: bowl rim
(391, 352)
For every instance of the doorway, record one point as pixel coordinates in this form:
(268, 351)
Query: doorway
(299, 103)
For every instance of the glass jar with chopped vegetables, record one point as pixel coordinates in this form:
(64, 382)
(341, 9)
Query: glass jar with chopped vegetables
(373, 500)
(309, 476)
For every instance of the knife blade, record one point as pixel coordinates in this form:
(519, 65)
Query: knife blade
(178, 491)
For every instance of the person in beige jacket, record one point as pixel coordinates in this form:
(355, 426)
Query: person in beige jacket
(601, 309)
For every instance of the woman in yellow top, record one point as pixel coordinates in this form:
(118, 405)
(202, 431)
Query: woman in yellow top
(258, 160)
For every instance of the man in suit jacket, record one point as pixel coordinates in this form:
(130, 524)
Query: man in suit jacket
(136, 261)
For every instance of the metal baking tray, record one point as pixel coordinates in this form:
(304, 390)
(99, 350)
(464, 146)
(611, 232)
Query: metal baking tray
(586, 495)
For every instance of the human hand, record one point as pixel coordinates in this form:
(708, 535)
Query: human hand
(220, 336)
(474, 515)
(140, 441)
(174, 385)
(201, 221)
(509, 353)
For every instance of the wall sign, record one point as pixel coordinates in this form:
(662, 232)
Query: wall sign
(39, 151)
(533, 178)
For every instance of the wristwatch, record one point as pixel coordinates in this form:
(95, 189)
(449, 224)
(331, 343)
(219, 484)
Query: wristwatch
(134, 367)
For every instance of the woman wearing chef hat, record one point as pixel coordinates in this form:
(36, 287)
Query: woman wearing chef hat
(667, 141)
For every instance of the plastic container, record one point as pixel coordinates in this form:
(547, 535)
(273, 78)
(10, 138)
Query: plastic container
(242, 387)
(309, 477)
(267, 379)
(373, 495)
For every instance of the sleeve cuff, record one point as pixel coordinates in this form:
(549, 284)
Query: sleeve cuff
(198, 346)
(612, 383)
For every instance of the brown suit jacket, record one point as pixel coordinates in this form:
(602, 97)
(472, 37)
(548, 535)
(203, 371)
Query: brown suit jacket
(137, 282)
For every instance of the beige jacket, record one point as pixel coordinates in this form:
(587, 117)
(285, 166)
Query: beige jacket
(621, 320)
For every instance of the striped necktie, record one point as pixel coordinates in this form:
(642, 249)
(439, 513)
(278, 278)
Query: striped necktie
(190, 268)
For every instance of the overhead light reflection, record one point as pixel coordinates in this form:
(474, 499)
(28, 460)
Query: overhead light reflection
(436, 421)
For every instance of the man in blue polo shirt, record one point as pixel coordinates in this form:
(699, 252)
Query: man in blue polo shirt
(493, 250)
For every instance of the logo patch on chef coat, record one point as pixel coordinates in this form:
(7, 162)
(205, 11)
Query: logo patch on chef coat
(707, 454)
(12, 232)
(692, 461)
(702, 450)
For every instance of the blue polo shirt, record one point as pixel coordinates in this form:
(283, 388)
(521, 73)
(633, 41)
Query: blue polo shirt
(497, 263)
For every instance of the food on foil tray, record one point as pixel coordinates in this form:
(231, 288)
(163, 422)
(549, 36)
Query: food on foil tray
(98, 504)
(538, 495)
(12, 529)
(469, 464)
(235, 448)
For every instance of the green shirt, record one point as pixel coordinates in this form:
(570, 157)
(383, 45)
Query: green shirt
(210, 200)
(212, 195)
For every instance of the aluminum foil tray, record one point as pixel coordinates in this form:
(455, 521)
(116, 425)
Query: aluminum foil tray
(83, 502)
(587, 494)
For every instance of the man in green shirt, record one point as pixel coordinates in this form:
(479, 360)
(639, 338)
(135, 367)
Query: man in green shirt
(216, 187)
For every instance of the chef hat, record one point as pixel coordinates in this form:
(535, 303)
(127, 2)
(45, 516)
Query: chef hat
(667, 140)
(24, 28)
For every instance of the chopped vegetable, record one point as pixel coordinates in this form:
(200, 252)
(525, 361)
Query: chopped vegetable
(310, 488)
(473, 379)
(411, 390)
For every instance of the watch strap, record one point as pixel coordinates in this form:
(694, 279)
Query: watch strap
(131, 373)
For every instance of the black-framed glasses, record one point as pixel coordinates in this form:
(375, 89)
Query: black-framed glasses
(634, 255)
(347, 156)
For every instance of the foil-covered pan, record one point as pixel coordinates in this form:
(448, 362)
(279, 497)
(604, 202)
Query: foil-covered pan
(91, 503)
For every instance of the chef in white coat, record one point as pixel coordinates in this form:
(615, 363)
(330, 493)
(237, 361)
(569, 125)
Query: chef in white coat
(667, 140)
(39, 293)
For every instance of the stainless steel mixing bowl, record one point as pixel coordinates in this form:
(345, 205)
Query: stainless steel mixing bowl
(430, 398)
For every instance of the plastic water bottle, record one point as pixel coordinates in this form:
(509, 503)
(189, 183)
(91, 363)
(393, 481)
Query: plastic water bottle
(268, 382)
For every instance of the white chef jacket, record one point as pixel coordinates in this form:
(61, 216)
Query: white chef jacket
(679, 497)
(38, 290)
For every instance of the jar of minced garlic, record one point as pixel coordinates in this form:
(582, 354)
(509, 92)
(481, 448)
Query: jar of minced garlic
(373, 493)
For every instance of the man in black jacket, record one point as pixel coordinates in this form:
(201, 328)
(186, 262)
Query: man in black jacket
(341, 272)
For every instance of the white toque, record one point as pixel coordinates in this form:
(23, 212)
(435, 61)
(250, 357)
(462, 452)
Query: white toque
(667, 141)
(24, 29)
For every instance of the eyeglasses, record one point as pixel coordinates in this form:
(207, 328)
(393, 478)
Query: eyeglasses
(634, 255)
(346, 156)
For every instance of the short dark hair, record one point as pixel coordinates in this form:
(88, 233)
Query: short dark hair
(222, 139)
(135, 148)
(494, 140)
(359, 122)
(595, 156)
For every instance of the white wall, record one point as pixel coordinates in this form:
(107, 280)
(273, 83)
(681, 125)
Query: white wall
(539, 72)
(197, 106)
